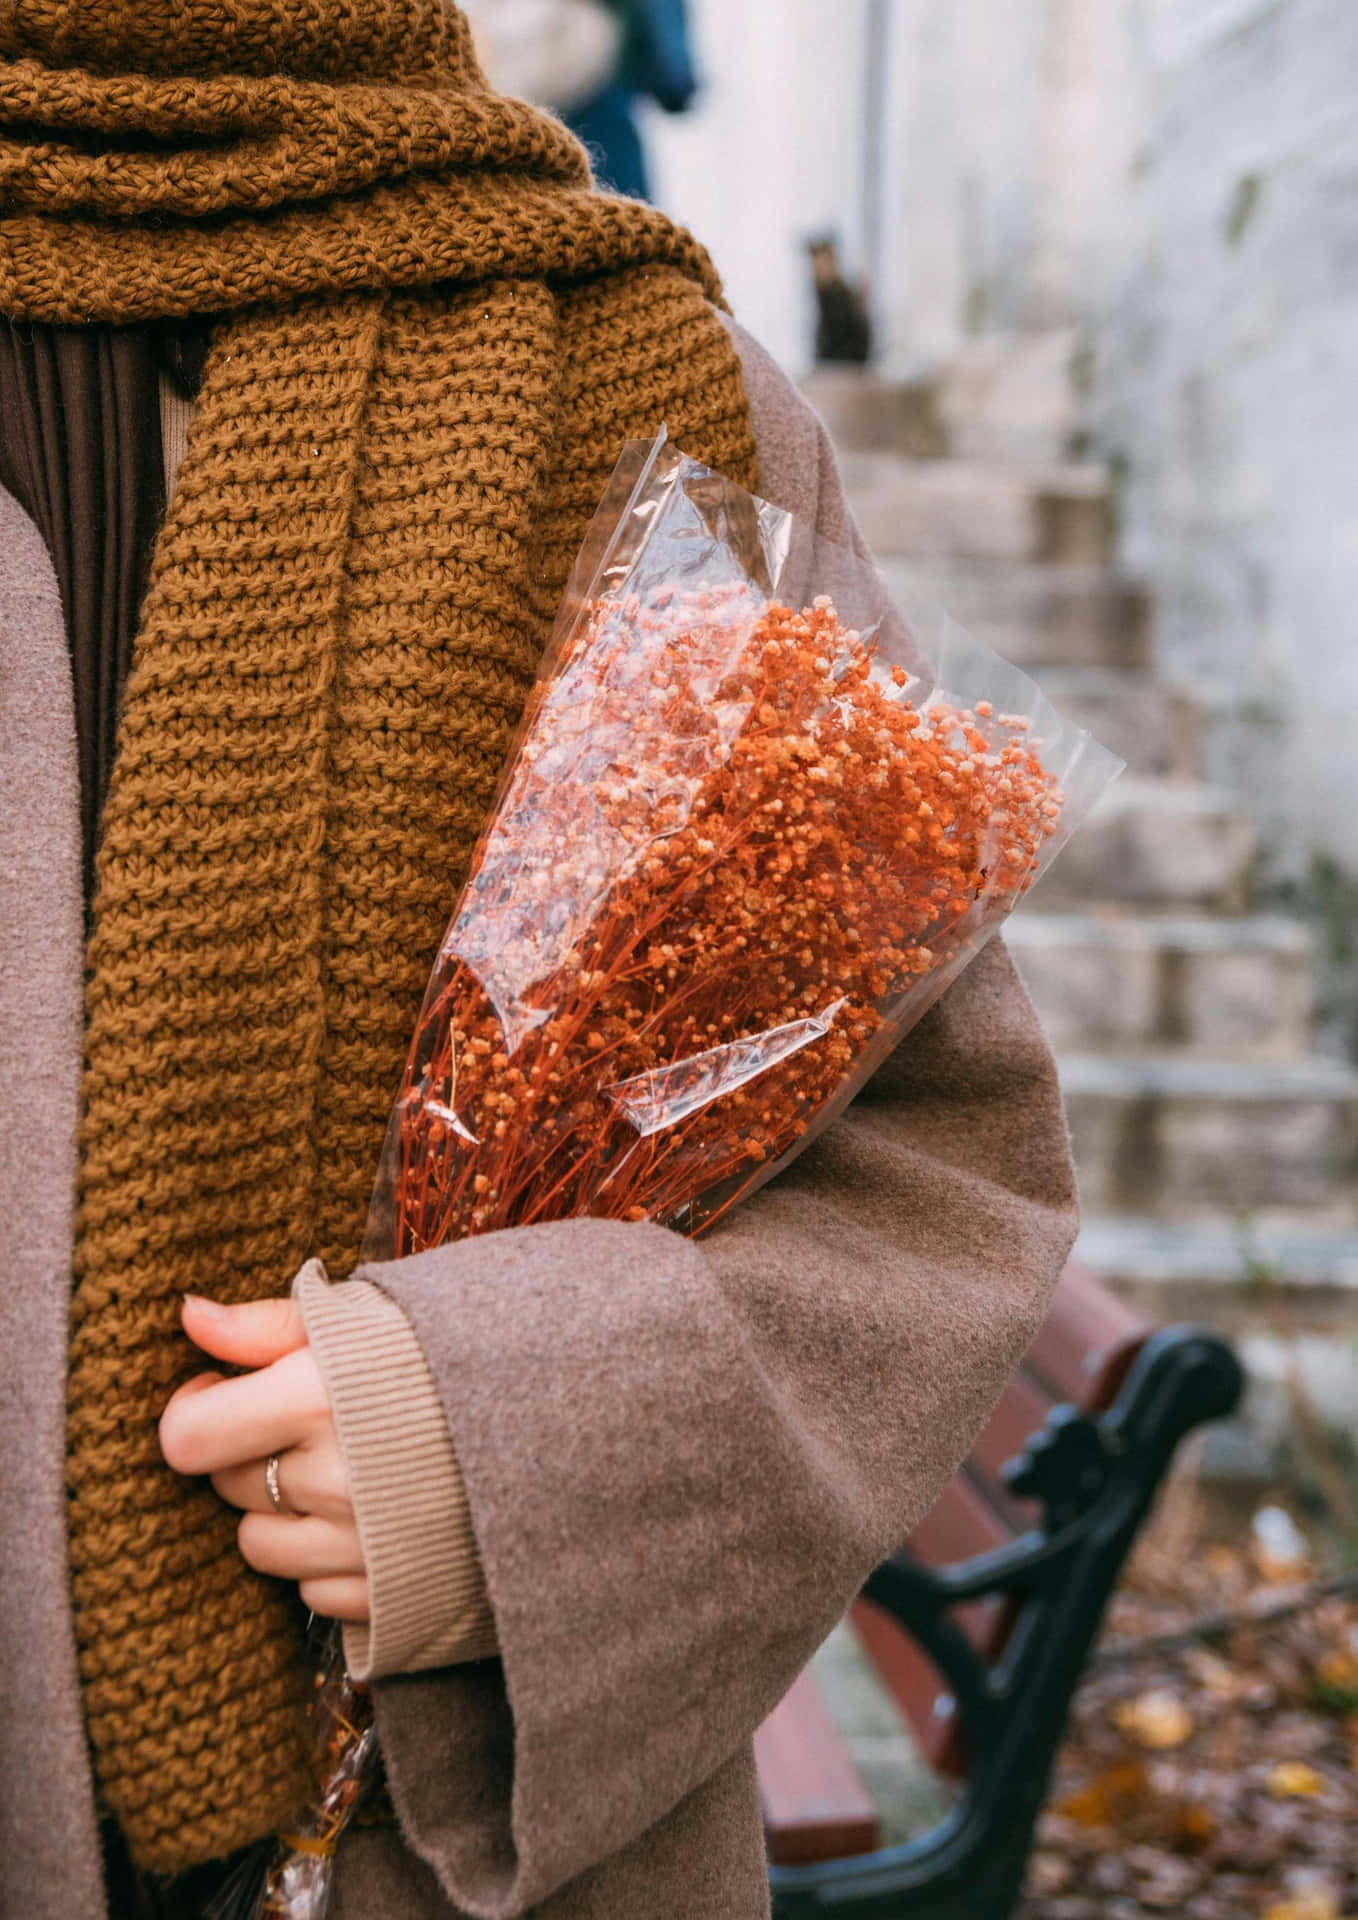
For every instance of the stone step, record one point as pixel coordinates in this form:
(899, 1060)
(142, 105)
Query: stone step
(1153, 727)
(909, 508)
(1229, 1266)
(1007, 399)
(1129, 982)
(867, 414)
(1035, 615)
(1285, 1294)
(1013, 396)
(1154, 843)
(1184, 1139)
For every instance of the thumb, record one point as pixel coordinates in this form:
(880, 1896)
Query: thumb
(253, 1334)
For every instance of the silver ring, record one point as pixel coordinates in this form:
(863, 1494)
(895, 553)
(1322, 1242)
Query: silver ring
(271, 1486)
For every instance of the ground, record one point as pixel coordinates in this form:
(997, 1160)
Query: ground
(1214, 1779)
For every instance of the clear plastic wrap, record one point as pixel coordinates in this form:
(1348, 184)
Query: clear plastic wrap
(755, 823)
(289, 1878)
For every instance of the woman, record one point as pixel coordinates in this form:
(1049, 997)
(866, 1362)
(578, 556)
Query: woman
(586, 1495)
(654, 63)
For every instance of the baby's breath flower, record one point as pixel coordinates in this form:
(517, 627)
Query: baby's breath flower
(732, 847)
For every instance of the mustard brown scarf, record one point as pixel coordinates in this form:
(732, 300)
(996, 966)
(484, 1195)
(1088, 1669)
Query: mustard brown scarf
(434, 339)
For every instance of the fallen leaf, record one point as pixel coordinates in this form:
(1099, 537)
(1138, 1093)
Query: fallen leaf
(1048, 1873)
(1336, 1680)
(1156, 1720)
(1163, 1880)
(1194, 1824)
(1211, 1671)
(1106, 1796)
(1293, 1779)
(1222, 1680)
(1307, 1906)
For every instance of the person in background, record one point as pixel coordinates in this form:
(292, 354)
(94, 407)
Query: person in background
(591, 61)
(843, 325)
(557, 53)
(656, 63)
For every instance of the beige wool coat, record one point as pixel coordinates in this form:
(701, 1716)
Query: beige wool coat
(680, 1459)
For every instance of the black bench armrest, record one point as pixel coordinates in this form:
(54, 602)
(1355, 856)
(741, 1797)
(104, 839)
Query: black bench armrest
(1095, 1477)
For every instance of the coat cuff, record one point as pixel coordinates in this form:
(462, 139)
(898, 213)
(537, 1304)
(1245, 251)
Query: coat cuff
(426, 1591)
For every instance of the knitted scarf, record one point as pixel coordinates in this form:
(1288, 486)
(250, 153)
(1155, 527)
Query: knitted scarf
(435, 338)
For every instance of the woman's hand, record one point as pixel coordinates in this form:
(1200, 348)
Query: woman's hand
(228, 1427)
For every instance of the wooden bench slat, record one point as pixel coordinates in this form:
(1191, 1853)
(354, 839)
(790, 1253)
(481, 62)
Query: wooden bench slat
(1024, 1406)
(960, 1524)
(815, 1806)
(1087, 1343)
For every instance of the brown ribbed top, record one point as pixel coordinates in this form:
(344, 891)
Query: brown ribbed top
(80, 450)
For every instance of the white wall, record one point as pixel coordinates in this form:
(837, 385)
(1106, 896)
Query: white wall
(1010, 127)
(1178, 179)
(772, 154)
(998, 139)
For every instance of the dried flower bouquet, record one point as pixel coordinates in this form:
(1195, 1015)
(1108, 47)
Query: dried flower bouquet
(750, 832)
(731, 844)
(754, 825)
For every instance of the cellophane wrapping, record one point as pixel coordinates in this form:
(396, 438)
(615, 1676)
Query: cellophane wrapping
(755, 823)
(290, 1876)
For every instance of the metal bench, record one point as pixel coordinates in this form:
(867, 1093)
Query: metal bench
(980, 1625)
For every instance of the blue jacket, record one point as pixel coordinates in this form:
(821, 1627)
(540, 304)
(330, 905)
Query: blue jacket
(657, 59)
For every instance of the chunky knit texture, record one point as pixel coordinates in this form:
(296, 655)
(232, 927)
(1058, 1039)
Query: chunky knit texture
(437, 339)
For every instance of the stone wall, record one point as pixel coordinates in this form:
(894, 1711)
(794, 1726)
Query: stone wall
(1224, 373)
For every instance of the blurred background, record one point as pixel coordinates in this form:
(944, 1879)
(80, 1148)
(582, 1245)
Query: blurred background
(1075, 284)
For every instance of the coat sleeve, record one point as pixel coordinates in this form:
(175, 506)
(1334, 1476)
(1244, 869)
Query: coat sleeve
(681, 1459)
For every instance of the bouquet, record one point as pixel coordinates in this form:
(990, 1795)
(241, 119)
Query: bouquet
(754, 825)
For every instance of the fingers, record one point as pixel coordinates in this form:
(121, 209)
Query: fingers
(200, 1380)
(303, 1548)
(226, 1427)
(311, 1480)
(207, 1429)
(254, 1334)
(337, 1598)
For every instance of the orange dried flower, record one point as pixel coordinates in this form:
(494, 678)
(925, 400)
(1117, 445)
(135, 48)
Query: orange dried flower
(729, 849)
